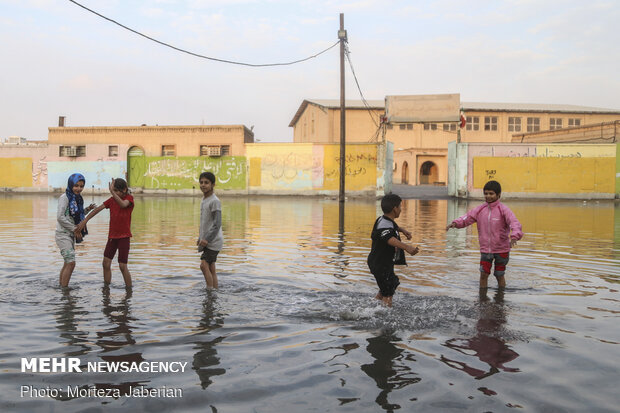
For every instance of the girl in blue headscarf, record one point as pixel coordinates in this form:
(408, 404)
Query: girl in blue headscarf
(70, 213)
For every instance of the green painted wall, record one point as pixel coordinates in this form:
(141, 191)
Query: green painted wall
(183, 172)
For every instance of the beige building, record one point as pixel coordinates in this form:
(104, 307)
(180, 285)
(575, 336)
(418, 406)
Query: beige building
(158, 140)
(421, 149)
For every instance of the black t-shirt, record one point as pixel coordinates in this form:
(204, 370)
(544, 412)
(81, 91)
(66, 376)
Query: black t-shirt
(382, 255)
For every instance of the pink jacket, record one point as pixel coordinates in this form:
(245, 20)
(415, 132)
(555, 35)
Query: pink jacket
(495, 221)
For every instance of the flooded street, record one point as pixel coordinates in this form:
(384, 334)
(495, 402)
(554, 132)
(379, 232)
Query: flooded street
(294, 327)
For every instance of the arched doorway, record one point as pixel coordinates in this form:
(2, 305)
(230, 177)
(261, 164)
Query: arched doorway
(405, 173)
(136, 167)
(428, 173)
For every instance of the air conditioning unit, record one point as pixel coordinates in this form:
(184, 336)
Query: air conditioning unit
(68, 151)
(213, 151)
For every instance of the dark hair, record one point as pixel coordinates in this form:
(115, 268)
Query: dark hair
(120, 184)
(493, 186)
(209, 176)
(389, 202)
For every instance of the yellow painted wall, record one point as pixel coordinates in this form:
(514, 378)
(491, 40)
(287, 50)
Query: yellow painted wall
(360, 166)
(15, 172)
(547, 175)
(307, 166)
(282, 166)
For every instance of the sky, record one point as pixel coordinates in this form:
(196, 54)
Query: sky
(61, 60)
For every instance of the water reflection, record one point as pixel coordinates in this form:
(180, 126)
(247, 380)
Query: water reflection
(118, 336)
(487, 344)
(390, 370)
(67, 322)
(206, 359)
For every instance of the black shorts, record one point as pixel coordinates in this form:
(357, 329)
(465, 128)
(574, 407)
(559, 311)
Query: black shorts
(209, 255)
(387, 281)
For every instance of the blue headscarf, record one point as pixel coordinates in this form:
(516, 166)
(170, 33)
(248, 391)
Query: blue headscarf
(76, 202)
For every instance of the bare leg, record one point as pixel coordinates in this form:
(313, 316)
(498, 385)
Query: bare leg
(501, 282)
(65, 273)
(204, 266)
(387, 301)
(213, 274)
(107, 270)
(379, 296)
(484, 278)
(126, 274)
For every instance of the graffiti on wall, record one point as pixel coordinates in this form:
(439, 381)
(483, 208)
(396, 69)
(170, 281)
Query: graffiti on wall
(360, 167)
(183, 172)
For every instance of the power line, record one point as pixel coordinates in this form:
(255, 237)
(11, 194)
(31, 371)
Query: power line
(348, 55)
(199, 55)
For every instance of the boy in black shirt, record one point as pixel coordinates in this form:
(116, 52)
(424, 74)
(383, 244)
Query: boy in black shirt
(387, 248)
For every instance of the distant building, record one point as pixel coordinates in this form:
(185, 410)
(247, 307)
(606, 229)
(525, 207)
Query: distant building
(219, 140)
(420, 149)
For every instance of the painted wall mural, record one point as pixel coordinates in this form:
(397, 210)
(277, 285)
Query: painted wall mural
(183, 172)
(97, 173)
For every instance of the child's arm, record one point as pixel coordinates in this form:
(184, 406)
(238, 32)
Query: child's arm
(394, 242)
(405, 232)
(466, 220)
(65, 221)
(81, 225)
(123, 203)
(516, 232)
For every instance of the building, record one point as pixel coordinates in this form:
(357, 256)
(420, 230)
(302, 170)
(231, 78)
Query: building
(421, 149)
(217, 140)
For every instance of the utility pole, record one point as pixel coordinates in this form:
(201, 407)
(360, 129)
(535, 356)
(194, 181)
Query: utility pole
(342, 35)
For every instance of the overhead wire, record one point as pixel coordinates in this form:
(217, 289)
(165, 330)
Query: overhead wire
(347, 53)
(200, 55)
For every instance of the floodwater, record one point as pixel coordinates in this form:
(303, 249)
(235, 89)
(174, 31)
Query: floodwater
(294, 327)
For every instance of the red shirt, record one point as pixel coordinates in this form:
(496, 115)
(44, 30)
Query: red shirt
(120, 218)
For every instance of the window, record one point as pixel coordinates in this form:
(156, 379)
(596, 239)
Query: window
(390, 126)
(514, 124)
(555, 123)
(533, 124)
(401, 126)
(409, 126)
(449, 127)
(214, 150)
(168, 150)
(574, 122)
(72, 151)
(113, 150)
(473, 123)
(430, 126)
(490, 123)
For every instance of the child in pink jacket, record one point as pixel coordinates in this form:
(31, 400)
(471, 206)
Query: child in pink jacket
(495, 223)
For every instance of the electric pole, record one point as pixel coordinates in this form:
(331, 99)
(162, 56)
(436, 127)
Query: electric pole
(342, 35)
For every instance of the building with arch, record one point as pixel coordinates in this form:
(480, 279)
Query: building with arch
(421, 149)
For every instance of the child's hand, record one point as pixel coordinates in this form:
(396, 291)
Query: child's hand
(78, 235)
(111, 186)
(452, 225)
(412, 250)
(90, 208)
(203, 243)
(513, 242)
(405, 233)
(79, 228)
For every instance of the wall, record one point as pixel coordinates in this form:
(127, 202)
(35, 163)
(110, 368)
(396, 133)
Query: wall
(282, 169)
(30, 168)
(303, 168)
(537, 170)
(618, 170)
(182, 173)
